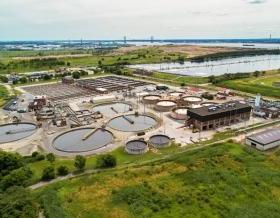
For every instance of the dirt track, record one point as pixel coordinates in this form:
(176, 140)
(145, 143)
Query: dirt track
(191, 50)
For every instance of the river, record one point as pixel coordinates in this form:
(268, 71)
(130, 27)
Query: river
(217, 67)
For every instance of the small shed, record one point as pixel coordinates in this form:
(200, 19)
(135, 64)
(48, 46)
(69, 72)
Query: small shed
(264, 140)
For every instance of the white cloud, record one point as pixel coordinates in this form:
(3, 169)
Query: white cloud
(92, 19)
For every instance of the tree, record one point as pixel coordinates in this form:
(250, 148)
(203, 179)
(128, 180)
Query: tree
(76, 75)
(181, 60)
(106, 161)
(47, 77)
(15, 82)
(18, 202)
(80, 162)
(9, 162)
(23, 79)
(34, 153)
(256, 73)
(50, 157)
(18, 177)
(212, 79)
(62, 170)
(48, 173)
(4, 79)
(37, 156)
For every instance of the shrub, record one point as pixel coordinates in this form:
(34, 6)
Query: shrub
(50, 157)
(80, 162)
(23, 80)
(9, 162)
(37, 156)
(40, 157)
(62, 170)
(18, 202)
(34, 154)
(51, 204)
(19, 177)
(48, 173)
(106, 161)
(76, 75)
(141, 199)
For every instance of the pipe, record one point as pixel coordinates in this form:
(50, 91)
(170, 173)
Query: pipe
(128, 119)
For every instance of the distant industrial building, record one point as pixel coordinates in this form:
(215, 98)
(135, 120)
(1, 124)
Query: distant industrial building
(215, 116)
(264, 140)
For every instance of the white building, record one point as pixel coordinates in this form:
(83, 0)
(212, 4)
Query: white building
(264, 140)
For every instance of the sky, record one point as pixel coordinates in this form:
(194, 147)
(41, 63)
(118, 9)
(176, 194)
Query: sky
(114, 19)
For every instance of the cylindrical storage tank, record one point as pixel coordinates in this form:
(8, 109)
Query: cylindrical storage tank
(190, 100)
(165, 105)
(136, 147)
(207, 104)
(179, 113)
(160, 141)
(176, 94)
(193, 106)
(151, 99)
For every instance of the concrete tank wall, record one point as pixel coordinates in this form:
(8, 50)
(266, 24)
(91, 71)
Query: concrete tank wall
(130, 148)
(177, 113)
(189, 100)
(151, 99)
(165, 105)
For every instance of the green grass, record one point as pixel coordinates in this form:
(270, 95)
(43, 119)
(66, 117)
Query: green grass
(262, 85)
(140, 56)
(224, 180)
(33, 53)
(180, 79)
(56, 80)
(122, 159)
(4, 95)
(173, 79)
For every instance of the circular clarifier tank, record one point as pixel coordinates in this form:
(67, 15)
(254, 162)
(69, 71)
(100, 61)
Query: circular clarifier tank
(14, 132)
(160, 141)
(132, 123)
(82, 140)
(111, 109)
(165, 105)
(151, 99)
(136, 147)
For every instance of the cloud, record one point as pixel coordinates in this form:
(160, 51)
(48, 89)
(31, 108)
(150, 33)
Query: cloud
(94, 19)
(255, 1)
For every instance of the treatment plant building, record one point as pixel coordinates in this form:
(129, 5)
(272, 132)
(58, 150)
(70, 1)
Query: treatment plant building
(215, 116)
(264, 140)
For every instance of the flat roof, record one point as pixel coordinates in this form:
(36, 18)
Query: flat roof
(225, 107)
(217, 111)
(266, 137)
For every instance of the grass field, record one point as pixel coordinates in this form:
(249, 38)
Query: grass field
(4, 95)
(122, 158)
(261, 85)
(180, 79)
(224, 180)
(8, 63)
